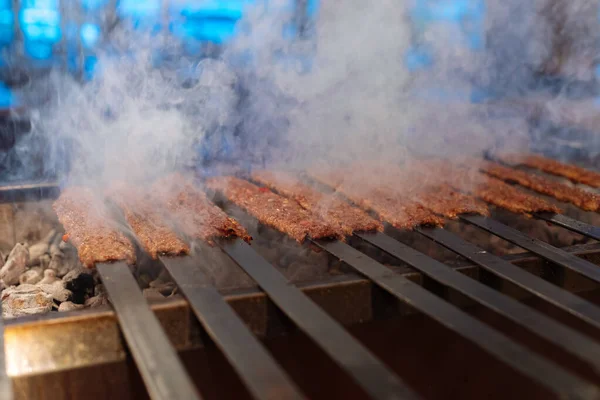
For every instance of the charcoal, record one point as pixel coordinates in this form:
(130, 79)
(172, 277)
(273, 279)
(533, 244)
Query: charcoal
(49, 277)
(56, 289)
(35, 252)
(41, 248)
(66, 247)
(81, 283)
(15, 265)
(31, 276)
(25, 300)
(55, 246)
(63, 264)
(96, 301)
(45, 261)
(49, 238)
(69, 306)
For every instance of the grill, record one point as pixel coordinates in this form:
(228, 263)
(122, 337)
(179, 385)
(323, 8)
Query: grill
(548, 351)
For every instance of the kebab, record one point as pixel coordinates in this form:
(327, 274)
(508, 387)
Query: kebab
(435, 195)
(194, 214)
(445, 200)
(87, 227)
(465, 178)
(273, 210)
(572, 172)
(399, 212)
(153, 233)
(330, 207)
(494, 191)
(581, 198)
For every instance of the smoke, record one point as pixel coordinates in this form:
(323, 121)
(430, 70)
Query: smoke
(359, 102)
(255, 103)
(133, 122)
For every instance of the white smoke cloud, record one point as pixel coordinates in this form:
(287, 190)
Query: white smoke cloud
(136, 122)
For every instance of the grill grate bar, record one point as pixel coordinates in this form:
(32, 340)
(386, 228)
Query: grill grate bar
(546, 373)
(375, 378)
(257, 368)
(27, 191)
(554, 332)
(542, 249)
(6, 391)
(161, 370)
(571, 224)
(535, 285)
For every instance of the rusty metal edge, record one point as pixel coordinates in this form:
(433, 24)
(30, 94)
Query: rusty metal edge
(57, 342)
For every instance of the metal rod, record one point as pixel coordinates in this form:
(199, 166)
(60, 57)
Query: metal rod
(257, 368)
(542, 249)
(546, 373)
(374, 377)
(6, 390)
(535, 285)
(162, 371)
(554, 332)
(33, 191)
(571, 224)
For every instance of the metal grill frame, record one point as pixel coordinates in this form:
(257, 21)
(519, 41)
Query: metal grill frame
(321, 292)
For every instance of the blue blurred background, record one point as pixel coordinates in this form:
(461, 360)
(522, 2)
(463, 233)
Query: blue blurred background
(42, 34)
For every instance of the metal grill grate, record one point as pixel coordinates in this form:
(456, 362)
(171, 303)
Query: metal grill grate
(165, 377)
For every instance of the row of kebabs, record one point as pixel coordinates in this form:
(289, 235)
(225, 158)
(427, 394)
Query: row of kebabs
(419, 193)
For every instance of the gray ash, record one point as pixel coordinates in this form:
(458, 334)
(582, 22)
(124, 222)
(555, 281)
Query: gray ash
(39, 272)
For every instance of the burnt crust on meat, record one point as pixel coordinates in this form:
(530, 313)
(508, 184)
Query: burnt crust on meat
(273, 210)
(330, 207)
(84, 217)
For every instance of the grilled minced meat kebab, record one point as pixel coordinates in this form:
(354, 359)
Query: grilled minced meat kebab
(86, 222)
(148, 225)
(466, 178)
(572, 172)
(273, 210)
(195, 215)
(330, 207)
(435, 194)
(446, 201)
(581, 198)
(491, 190)
(385, 202)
